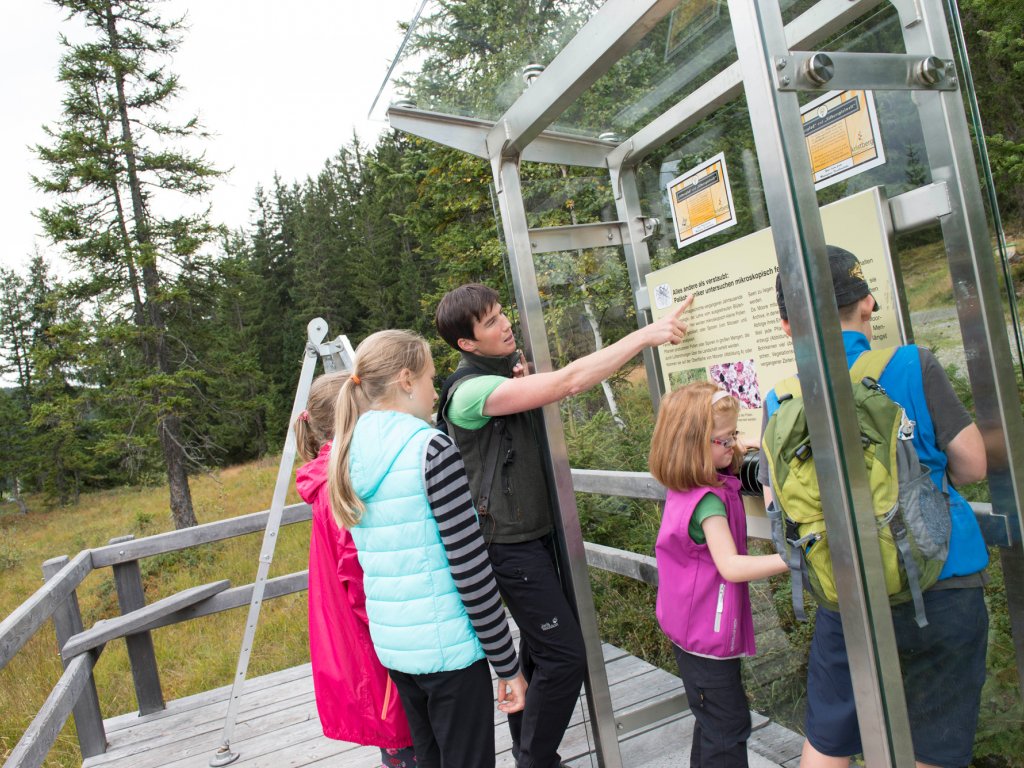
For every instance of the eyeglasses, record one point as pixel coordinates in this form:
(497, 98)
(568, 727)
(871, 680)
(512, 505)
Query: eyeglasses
(726, 442)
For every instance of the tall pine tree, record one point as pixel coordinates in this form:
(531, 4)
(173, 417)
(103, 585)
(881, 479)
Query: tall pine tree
(112, 156)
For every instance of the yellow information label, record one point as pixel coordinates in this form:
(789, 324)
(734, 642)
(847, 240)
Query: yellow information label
(701, 201)
(842, 135)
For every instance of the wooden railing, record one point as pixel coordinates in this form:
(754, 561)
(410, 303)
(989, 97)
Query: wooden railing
(75, 691)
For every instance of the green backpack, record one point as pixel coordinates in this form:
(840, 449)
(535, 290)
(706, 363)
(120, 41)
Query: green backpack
(911, 512)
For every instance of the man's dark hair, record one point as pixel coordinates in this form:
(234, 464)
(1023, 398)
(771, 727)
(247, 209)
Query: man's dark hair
(460, 308)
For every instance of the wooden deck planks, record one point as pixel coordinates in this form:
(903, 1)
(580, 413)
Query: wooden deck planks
(278, 727)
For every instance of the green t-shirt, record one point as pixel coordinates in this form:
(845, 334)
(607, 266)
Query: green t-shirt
(708, 506)
(466, 406)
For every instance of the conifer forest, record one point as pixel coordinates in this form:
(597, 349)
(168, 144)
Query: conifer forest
(172, 345)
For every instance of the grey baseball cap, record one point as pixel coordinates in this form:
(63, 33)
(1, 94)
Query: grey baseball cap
(847, 280)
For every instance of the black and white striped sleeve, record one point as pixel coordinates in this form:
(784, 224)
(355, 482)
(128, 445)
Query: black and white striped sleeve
(452, 504)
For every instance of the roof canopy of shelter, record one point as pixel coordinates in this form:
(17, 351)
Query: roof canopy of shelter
(616, 73)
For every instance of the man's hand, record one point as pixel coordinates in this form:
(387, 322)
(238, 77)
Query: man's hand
(512, 694)
(520, 369)
(670, 329)
(528, 392)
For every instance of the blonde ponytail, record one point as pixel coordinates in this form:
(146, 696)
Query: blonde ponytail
(380, 358)
(314, 427)
(346, 506)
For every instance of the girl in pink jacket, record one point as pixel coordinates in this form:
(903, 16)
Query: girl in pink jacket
(355, 697)
(703, 567)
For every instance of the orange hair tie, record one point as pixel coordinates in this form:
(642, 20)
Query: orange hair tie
(356, 380)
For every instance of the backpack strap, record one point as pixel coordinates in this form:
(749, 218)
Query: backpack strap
(898, 528)
(871, 363)
(790, 386)
(796, 558)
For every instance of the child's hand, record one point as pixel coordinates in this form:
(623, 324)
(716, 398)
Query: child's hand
(512, 694)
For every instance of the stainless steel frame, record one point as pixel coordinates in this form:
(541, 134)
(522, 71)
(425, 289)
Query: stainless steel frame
(821, 362)
(774, 63)
(535, 339)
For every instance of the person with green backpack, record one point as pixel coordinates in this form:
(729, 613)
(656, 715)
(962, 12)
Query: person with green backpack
(935, 567)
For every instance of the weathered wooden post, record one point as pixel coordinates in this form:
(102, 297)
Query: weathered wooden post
(141, 656)
(67, 621)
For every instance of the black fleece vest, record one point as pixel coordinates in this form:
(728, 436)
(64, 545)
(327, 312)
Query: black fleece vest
(519, 505)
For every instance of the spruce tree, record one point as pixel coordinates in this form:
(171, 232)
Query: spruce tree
(116, 166)
(15, 343)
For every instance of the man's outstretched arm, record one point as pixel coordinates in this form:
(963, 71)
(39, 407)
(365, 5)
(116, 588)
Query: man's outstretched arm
(536, 390)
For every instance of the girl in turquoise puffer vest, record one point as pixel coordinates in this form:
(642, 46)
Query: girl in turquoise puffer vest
(399, 487)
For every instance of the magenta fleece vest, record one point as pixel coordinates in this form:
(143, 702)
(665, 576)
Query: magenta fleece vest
(699, 610)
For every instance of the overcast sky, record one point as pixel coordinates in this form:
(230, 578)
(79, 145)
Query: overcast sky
(281, 86)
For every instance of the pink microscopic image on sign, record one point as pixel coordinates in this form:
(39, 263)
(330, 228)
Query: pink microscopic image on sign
(739, 380)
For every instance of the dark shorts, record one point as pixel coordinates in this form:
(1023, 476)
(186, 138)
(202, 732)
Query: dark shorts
(943, 668)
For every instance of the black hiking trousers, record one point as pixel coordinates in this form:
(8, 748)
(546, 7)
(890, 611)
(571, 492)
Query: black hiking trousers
(551, 651)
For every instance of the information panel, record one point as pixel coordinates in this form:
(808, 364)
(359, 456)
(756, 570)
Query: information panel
(735, 337)
(701, 201)
(841, 131)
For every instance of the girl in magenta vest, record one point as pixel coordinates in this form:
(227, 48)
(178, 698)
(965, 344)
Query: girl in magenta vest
(703, 566)
(355, 697)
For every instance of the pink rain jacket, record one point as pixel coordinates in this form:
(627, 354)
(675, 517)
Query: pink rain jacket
(355, 698)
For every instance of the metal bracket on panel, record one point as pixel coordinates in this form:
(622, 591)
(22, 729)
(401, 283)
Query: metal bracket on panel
(920, 207)
(572, 237)
(651, 225)
(998, 529)
(615, 170)
(839, 70)
(913, 21)
(642, 299)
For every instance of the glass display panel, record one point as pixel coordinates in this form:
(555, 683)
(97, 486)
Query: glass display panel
(468, 59)
(1009, 268)
(561, 195)
(686, 49)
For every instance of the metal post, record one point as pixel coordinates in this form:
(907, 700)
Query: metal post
(821, 363)
(524, 278)
(141, 656)
(975, 287)
(638, 264)
(67, 621)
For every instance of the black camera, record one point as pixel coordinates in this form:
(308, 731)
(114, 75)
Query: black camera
(749, 484)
